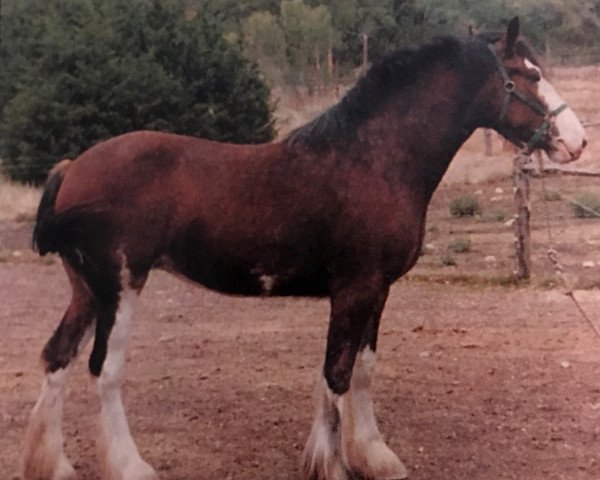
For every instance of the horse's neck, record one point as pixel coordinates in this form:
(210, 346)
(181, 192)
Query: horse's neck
(420, 131)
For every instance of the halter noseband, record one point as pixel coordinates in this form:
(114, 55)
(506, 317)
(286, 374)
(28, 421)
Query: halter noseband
(511, 90)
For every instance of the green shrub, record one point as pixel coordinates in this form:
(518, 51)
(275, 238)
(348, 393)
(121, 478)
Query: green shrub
(587, 206)
(83, 71)
(551, 196)
(466, 206)
(448, 261)
(460, 245)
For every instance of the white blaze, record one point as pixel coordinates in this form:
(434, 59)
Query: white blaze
(570, 131)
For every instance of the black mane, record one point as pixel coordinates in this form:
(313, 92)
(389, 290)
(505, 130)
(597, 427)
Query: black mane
(393, 72)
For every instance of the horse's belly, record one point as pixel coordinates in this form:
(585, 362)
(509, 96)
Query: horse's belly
(236, 277)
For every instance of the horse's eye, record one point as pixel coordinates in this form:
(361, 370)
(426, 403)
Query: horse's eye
(534, 76)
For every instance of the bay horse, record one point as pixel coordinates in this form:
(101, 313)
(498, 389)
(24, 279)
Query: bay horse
(335, 209)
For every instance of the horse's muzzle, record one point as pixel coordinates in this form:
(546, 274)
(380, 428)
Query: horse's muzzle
(560, 152)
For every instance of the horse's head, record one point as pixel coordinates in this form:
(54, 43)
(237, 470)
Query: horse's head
(527, 109)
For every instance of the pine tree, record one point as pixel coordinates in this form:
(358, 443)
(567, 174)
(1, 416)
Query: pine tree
(80, 71)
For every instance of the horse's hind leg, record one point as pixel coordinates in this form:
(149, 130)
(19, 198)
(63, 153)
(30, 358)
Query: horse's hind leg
(121, 458)
(44, 458)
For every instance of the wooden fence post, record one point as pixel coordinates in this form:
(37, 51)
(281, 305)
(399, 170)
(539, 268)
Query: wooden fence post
(487, 140)
(522, 233)
(365, 48)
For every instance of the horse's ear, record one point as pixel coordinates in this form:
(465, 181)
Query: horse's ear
(512, 32)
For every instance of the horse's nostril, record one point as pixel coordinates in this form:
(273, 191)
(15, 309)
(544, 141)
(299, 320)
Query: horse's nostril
(584, 143)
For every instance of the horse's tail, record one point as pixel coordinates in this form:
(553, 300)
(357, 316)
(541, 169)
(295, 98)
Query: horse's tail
(46, 235)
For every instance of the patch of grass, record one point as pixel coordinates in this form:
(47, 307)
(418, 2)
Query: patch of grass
(587, 206)
(469, 280)
(18, 202)
(551, 196)
(460, 245)
(548, 283)
(466, 206)
(494, 217)
(587, 283)
(448, 261)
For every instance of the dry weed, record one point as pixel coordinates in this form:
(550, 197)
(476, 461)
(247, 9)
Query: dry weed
(18, 202)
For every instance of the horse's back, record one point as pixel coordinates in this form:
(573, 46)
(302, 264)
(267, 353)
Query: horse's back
(145, 162)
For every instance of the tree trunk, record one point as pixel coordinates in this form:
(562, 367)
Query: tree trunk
(330, 62)
(365, 44)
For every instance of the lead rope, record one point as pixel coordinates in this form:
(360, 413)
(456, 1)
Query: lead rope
(554, 260)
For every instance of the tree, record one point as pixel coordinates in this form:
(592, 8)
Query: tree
(264, 43)
(81, 71)
(308, 31)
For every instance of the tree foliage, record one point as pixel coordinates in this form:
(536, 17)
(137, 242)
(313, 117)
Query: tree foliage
(308, 32)
(566, 29)
(79, 71)
(264, 43)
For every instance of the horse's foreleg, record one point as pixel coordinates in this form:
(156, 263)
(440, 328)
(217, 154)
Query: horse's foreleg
(44, 458)
(363, 446)
(323, 452)
(121, 458)
(344, 441)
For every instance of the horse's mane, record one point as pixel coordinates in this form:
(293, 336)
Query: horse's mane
(393, 72)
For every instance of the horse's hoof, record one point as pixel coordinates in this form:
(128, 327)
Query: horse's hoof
(42, 465)
(325, 469)
(376, 462)
(136, 469)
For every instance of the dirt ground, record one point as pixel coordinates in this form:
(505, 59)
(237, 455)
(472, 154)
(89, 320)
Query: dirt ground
(473, 382)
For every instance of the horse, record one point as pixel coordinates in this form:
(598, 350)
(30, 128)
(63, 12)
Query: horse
(335, 209)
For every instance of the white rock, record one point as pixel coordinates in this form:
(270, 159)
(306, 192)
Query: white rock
(498, 190)
(490, 259)
(565, 364)
(588, 264)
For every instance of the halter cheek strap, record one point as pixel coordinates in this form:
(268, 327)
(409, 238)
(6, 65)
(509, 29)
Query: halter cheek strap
(511, 90)
(544, 128)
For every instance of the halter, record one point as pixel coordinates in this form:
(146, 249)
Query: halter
(511, 90)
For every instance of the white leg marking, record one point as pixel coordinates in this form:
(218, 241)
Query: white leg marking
(44, 457)
(322, 455)
(122, 460)
(363, 448)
